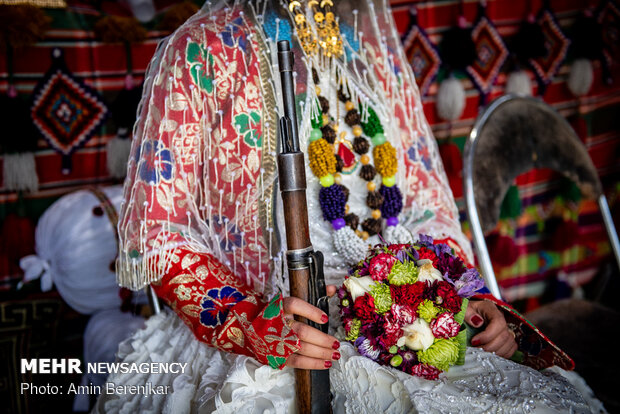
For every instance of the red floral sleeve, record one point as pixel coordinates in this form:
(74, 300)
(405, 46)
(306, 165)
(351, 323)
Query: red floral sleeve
(223, 312)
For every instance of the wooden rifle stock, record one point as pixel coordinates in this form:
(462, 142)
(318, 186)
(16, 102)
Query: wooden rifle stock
(305, 266)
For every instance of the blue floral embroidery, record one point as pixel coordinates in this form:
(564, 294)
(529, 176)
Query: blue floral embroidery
(155, 162)
(233, 33)
(217, 303)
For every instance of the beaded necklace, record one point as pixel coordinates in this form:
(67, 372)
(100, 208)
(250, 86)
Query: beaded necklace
(386, 203)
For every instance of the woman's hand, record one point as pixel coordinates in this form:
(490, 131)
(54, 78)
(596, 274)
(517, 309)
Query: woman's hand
(496, 336)
(317, 348)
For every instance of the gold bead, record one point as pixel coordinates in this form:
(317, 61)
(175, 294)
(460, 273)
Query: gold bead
(376, 214)
(338, 178)
(300, 18)
(335, 127)
(371, 186)
(349, 105)
(364, 159)
(357, 131)
(346, 209)
(317, 90)
(358, 232)
(325, 119)
(319, 17)
(365, 235)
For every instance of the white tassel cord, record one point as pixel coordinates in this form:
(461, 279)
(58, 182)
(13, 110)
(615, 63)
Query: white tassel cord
(450, 99)
(580, 77)
(20, 173)
(117, 156)
(519, 83)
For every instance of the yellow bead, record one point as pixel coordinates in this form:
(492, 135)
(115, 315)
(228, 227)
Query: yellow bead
(376, 214)
(357, 131)
(364, 159)
(349, 105)
(346, 209)
(358, 232)
(325, 119)
(371, 186)
(365, 235)
(335, 127)
(389, 181)
(327, 180)
(338, 178)
(317, 90)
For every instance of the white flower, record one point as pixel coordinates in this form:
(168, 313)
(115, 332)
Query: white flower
(357, 286)
(427, 272)
(418, 336)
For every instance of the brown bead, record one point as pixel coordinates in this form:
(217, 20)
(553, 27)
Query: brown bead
(315, 76)
(324, 104)
(329, 134)
(352, 117)
(360, 145)
(339, 163)
(352, 220)
(374, 200)
(368, 172)
(372, 226)
(346, 192)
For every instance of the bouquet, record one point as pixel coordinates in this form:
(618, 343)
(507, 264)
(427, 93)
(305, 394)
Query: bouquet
(404, 306)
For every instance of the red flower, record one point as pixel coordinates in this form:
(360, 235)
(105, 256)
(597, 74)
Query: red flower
(395, 248)
(426, 253)
(411, 295)
(392, 331)
(364, 308)
(380, 266)
(425, 371)
(447, 297)
(444, 326)
(403, 313)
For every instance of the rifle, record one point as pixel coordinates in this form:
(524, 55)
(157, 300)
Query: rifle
(305, 266)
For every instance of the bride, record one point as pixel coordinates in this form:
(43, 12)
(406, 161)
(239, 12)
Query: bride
(202, 221)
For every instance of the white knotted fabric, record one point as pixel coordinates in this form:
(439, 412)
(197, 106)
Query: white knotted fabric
(379, 76)
(75, 249)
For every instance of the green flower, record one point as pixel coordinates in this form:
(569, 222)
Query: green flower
(442, 354)
(383, 299)
(403, 273)
(200, 65)
(273, 309)
(354, 330)
(427, 310)
(249, 126)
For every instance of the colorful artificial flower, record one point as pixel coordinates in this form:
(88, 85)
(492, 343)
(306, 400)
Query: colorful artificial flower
(404, 306)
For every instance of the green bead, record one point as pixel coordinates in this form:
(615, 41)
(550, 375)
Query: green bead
(327, 180)
(345, 302)
(316, 134)
(393, 349)
(396, 360)
(389, 181)
(378, 139)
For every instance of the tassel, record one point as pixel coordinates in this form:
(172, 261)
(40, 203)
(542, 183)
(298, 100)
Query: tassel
(502, 250)
(581, 77)
(511, 205)
(450, 99)
(118, 149)
(519, 83)
(20, 173)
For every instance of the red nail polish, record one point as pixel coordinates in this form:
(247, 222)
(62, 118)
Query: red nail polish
(475, 342)
(328, 364)
(476, 320)
(324, 318)
(336, 345)
(336, 356)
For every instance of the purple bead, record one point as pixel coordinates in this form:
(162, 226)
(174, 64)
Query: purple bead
(392, 221)
(338, 223)
(332, 200)
(392, 201)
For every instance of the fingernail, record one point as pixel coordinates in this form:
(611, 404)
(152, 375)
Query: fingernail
(475, 342)
(336, 356)
(328, 364)
(476, 320)
(324, 318)
(336, 345)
